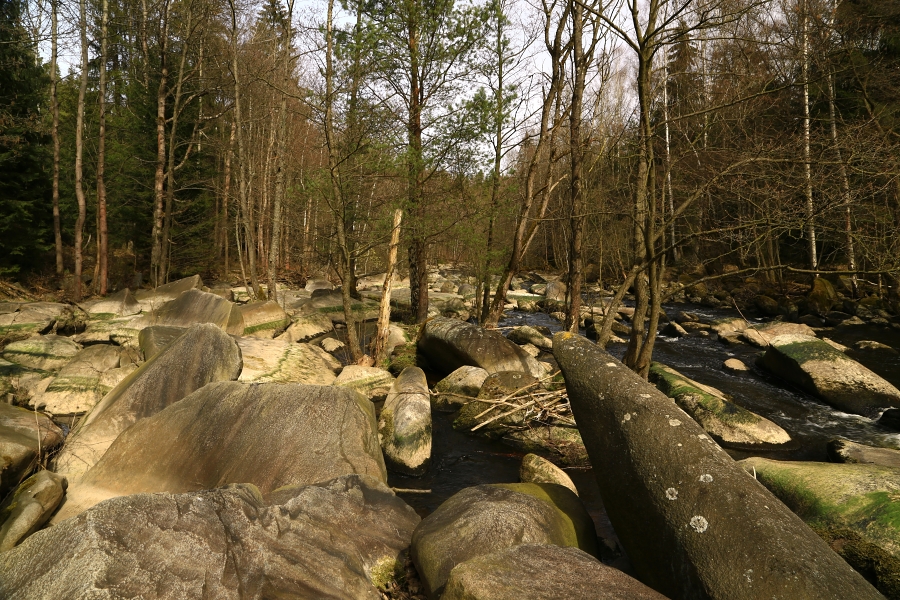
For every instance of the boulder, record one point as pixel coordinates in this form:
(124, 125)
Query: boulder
(404, 426)
(673, 329)
(496, 387)
(555, 291)
(856, 496)
(829, 374)
(562, 443)
(845, 451)
(22, 320)
(78, 386)
(276, 361)
(120, 304)
(122, 331)
(529, 335)
(761, 335)
(29, 507)
(371, 382)
(873, 346)
(333, 540)
(264, 319)
(449, 344)
(203, 354)
(25, 437)
(466, 290)
(693, 523)
(332, 345)
(535, 469)
(542, 572)
(766, 305)
(735, 365)
(822, 298)
(152, 340)
(727, 423)
(192, 307)
(270, 435)
(457, 388)
(153, 299)
(317, 283)
(43, 352)
(729, 324)
(484, 519)
(306, 327)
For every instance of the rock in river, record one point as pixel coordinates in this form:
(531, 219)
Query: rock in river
(542, 572)
(270, 435)
(449, 344)
(404, 426)
(829, 374)
(25, 511)
(335, 540)
(203, 354)
(693, 523)
(725, 421)
(484, 519)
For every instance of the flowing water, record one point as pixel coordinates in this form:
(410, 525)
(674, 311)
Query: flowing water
(460, 460)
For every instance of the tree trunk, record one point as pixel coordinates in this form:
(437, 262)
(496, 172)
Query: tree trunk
(384, 308)
(54, 108)
(581, 61)
(103, 232)
(807, 161)
(845, 186)
(79, 150)
(156, 253)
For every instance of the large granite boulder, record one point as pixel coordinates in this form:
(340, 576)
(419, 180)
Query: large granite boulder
(203, 354)
(404, 426)
(529, 335)
(152, 340)
(457, 388)
(192, 307)
(535, 469)
(449, 344)
(29, 507)
(152, 299)
(542, 572)
(306, 327)
(693, 523)
(278, 361)
(43, 352)
(484, 519)
(845, 451)
(19, 320)
(120, 304)
(25, 438)
(823, 297)
(861, 497)
(823, 371)
(728, 423)
(270, 435)
(79, 385)
(334, 540)
(263, 319)
(761, 335)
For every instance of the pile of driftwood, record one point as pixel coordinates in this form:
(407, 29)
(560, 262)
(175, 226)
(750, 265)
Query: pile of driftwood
(543, 402)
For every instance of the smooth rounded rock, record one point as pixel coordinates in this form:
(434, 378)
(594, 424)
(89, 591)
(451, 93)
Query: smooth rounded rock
(44, 352)
(371, 382)
(535, 469)
(404, 426)
(458, 387)
(735, 366)
(29, 507)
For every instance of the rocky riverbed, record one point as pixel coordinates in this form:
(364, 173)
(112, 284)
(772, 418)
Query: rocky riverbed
(189, 442)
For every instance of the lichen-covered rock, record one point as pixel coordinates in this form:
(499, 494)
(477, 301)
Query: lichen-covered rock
(449, 344)
(29, 507)
(693, 523)
(371, 382)
(77, 388)
(725, 421)
(404, 426)
(25, 437)
(203, 354)
(829, 374)
(22, 320)
(277, 361)
(305, 327)
(192, 307)
(44, 352)
(263, 319)
(332, 540)
(761, 335)
(535, 469)
(861, 497)
(120, 304)
(270, 435)
(542, 572)
(484, 519)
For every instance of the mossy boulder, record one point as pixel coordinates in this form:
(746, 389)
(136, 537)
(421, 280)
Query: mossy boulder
(860, 497)
(845, 451)
(879, 567)
(404, 426)
(192, 307)
(484, 519)
(563, 444)
(120, 304)
(22, 320)
(824, 371)
(371, 382)
(44, 352)
(822, 298)
(277, 361)
(459, 387)
(306, 327)
(78, 386)
(727, 422)
(264, 319)
(487, 407)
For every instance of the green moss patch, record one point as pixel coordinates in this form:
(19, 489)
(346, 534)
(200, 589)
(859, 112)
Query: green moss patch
(805, 351)
(685, 392)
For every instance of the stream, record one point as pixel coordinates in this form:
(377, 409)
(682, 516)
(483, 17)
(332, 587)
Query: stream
(460, 460)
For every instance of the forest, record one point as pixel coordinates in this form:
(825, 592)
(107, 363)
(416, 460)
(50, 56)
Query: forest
(625, 143)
